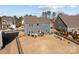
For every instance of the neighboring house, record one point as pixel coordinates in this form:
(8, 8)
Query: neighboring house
(7, 22)
(36, 25)
(67, 23)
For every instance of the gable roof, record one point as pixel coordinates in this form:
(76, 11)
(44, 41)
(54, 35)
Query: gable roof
(34, 19)
(7, 18)
(70, 21)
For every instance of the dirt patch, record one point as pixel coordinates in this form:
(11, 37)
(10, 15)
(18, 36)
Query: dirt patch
(47, 44)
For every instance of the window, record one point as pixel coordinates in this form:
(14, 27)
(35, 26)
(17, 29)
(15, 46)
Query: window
(38, 31)
(31, 25)
(37, 24)
(51, 27)
(31, 31)
(46, 30)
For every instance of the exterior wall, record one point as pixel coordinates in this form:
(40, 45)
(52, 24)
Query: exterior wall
(59, 24)
(4, 23)
(73, 30)
(34, 28)
(9, 21)
(70, 29)
(14, 21)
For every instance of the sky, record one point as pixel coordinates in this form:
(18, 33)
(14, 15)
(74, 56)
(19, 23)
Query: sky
(21, 10)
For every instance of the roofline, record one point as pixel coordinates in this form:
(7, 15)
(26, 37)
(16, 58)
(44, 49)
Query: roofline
(63, 21)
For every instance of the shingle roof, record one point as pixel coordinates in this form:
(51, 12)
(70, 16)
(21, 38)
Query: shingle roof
(6, 17)
(70, 21)
(34, 19)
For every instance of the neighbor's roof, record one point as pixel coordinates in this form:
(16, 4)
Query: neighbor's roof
(6, 17)
(70, 21)
(34, 19)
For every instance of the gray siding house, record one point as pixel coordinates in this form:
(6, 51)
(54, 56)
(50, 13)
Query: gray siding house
(35, 25)
(67, 23)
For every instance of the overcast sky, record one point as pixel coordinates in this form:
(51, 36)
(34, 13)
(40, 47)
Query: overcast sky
(21, 10)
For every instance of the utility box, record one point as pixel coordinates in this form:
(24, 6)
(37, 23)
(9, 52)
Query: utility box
(1, 41)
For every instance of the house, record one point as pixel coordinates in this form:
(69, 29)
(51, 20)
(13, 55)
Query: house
(7, 22)
(67, 23)
(36, 25)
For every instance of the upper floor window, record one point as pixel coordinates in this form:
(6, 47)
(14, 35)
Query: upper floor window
(37, 24)
(31, 25)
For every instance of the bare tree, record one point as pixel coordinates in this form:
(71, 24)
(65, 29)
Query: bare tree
(54, 14)
(49, 13)
(44, 14)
